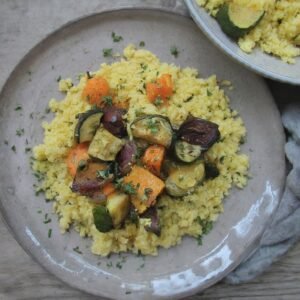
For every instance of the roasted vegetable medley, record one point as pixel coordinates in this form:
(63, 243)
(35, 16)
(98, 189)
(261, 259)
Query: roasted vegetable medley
(124, 167)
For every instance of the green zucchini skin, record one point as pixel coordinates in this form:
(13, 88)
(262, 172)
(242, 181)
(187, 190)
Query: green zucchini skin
(88, 123)
(229, 27)
(187, 152)
(155, 129)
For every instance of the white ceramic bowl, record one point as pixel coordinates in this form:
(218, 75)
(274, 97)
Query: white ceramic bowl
(257, 61)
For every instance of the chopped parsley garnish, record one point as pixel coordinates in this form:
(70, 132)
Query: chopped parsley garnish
(152, 126)
(109, 264)
(208, 93)
(142, 44)
(129, 188)
(58, 79)
(76, 249)
(174, 51)
(189, 98)
(27, 149)
(39, 211)
(47, 219)
(147, 193)
(13, 148)
(103, 174)
(19, 107)
(20, 131)
(88, 74)
(116, 38)
(49, 233)
(108, 100)
(107, 52)
(119, 265)
(144, 66)
(47, 110)
(158, 101)
(206, 225)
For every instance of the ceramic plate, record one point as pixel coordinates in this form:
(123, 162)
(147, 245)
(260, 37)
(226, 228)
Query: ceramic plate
(179, 271)
(259, 62)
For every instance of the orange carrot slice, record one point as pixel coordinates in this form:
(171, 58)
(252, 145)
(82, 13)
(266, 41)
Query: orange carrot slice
(153, 158)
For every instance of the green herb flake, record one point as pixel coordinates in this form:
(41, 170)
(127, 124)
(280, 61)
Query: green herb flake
(27, 149)
(19, 107)
(13, 148)
(49, 233)
(206, 225)
(208, 93)
(20, 131)
(174, 51)
(109, 264)
(119, 265)
(58, 79)
(144, 66)
(108, 100)
(129, 188)
(76, 249)
(127, 293)
(142, 44)
(158, 101)
(105, 174)
(107, 52)
(46, 221)
(116, 38)
(152, 126)
(39, 211)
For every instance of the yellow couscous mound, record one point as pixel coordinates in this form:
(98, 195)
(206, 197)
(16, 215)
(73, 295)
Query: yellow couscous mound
(178, 217)
(275, 33)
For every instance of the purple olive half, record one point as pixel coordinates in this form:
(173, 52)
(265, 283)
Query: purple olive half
(112, 121)
(197, 131)
(127, 157)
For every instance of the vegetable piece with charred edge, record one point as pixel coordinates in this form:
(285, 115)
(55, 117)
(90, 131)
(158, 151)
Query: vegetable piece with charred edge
(89, 182)
(200, 132)
(105, 146)
(155, 129)
(126, 158)
(154, 226)
(187, 152)
(184, 178)
(88, 122)
(112, 121)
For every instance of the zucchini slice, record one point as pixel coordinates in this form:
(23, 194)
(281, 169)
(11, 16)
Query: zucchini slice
(184, 178)
(88, 122)
(236, 20)
(155, 129)
(187, 152)
(105, 146)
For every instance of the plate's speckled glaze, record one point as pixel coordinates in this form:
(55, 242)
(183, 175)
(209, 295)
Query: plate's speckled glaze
(181, 270)
(258, 61)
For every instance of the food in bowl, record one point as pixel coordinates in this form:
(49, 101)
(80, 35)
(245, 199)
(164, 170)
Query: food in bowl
(140, 154)
(273, 26)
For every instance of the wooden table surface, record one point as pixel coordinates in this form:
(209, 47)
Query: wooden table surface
(22, 24)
